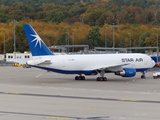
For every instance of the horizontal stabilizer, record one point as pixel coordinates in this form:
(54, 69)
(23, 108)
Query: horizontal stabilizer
(39, 62)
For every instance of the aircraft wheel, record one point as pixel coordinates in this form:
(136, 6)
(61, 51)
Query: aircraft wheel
(79, 78)
(82, 78)
(98, 79)
(154, 77)
(76, 78)
(101, 79)
(104, 79)
(143, 76)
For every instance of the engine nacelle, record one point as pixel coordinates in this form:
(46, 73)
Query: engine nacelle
(127, 72)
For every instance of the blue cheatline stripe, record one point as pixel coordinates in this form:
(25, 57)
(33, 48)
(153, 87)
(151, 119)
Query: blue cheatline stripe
(79, 71)
(36, 44)
(67, 71)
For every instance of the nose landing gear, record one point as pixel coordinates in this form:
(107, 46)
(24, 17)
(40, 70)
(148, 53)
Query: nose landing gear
(143, 76)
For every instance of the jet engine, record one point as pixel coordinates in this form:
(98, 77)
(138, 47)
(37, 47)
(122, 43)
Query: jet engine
(126, 72)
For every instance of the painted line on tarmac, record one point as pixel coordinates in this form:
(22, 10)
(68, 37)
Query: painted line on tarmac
(77, 97)
(13, 93)
(91, 108)
(38, 75)
(56, 117)
(43, 115)
(130, 100)
(60, 117)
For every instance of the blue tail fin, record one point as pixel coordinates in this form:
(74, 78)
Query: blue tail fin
(36, 44)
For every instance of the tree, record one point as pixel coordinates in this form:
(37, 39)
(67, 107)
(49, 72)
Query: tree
(21, 42)
(24, 7)
(94, 38)
(9, 46)
(54, 16)
(61, 40)
(4, 18)
(76, 10)
(48, 6)
(17, 14)
(91, 17)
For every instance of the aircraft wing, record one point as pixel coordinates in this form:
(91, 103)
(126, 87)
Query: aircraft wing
(46, 62)
(115, 67)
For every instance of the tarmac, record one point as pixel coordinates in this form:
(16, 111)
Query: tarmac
(34, 94)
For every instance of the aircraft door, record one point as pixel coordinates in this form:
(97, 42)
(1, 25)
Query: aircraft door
(63, 65)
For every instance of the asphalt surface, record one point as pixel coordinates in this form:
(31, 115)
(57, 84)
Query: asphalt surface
(34, 94)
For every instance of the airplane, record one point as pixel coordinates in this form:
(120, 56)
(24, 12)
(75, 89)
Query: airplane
(123, 64)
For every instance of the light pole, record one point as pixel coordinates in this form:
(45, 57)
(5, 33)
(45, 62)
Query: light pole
(157, 45)
(66, 41)
(113, 37)
(105, 36)
(68, 37)
(113, 26)
(68, 34)
(4, 42)
(73, 39)
(14, 22)
(130, 41)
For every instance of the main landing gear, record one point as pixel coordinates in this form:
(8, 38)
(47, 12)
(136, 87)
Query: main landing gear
(80, 77)
(143, 76)
(102, 78)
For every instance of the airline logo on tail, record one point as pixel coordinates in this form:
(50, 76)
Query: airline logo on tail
(37, 39)
(36, 44)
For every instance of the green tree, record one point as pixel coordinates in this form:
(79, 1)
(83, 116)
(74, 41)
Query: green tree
(94, 38)
(17, 14)
(54, 16)
(21, 42)
(61, 40)
(48, 6)
(122, 43)
(24, 7)
(76, 10)
(9, 46)
(92, 17)
(4, 18)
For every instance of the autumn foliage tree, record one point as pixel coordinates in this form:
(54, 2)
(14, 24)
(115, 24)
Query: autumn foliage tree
(136, 21)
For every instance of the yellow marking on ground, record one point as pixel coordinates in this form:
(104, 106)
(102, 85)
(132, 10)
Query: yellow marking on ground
(59, 117)
(129, 100)
(12, 93)
(91, 108)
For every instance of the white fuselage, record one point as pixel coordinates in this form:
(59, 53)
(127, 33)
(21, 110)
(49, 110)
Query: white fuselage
(62, 63)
